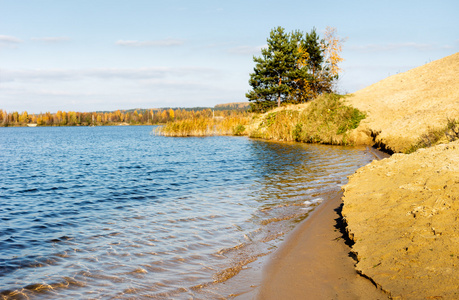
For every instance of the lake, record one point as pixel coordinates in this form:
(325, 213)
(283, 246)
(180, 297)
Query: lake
(117, 212)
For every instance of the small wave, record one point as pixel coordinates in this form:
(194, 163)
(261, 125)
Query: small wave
(61, 239)
(226, 250)
(40, 288)
(130, 167)
(8, 266)
(135, 272)
(281, 218)
(313, 201)
(28, 191)
(232, 271)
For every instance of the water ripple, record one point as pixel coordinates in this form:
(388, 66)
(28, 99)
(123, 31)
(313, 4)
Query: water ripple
(111, 212)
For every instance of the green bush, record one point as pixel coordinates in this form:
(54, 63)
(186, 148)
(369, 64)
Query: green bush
(239, 130)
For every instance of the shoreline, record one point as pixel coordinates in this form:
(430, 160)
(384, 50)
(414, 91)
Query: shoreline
(316, 263)
(316, 260)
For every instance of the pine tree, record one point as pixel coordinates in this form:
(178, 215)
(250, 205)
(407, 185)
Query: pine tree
(275, 71)
(319, 79)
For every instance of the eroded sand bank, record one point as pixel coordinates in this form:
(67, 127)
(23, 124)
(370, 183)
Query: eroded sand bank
(403, 214)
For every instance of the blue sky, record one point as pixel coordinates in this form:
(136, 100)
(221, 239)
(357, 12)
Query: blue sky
(110, 54)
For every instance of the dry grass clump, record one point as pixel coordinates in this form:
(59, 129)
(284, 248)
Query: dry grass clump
(205, 126)
(326, 120)
(433, 137)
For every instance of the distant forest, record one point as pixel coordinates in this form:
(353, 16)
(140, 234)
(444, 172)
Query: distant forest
(119, 117)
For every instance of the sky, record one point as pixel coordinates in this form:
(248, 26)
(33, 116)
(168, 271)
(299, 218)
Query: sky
(103, 55)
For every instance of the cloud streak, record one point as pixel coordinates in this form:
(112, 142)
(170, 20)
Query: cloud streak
(105, 74)
(245, 50)
(7, 40)
(154, 43)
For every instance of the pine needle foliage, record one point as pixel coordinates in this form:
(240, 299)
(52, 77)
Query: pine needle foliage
(294, 68)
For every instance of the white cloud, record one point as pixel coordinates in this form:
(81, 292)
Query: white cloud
(177, 84)
(7, 40)
(105, 73)
(155, 43)
(244, 50)
(51, 39)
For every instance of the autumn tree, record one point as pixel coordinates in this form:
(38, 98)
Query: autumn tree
(171, 114)
(332, 47)
(4, 118)
(40, 120)
(59, 117)
(164, 116)
(24, 117)
(72, 118)
(15, 117)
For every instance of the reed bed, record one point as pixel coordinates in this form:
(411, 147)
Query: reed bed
(205, 126)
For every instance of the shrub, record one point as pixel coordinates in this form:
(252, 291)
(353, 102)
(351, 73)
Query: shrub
(326, 120)
(239, 130)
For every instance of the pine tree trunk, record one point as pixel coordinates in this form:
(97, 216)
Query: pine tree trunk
(279, 97)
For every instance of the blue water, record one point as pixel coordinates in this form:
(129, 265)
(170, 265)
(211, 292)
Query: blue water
(104, 212)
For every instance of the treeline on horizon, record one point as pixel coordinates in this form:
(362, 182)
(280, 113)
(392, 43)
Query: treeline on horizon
(126, 117)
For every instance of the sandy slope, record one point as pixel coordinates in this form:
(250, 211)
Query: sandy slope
(403, 212)
(402, 107)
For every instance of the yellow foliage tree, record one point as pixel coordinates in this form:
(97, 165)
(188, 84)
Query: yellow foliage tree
(40, 119)
(171, 114)
(59, 117)
(164, 115)
(24, 117)
(72, 118)
(304, 90)
(332, 47)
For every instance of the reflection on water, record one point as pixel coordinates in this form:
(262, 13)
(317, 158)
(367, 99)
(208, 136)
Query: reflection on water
(116, 212)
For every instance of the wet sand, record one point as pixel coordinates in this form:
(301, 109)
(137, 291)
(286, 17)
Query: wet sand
(315, 263)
